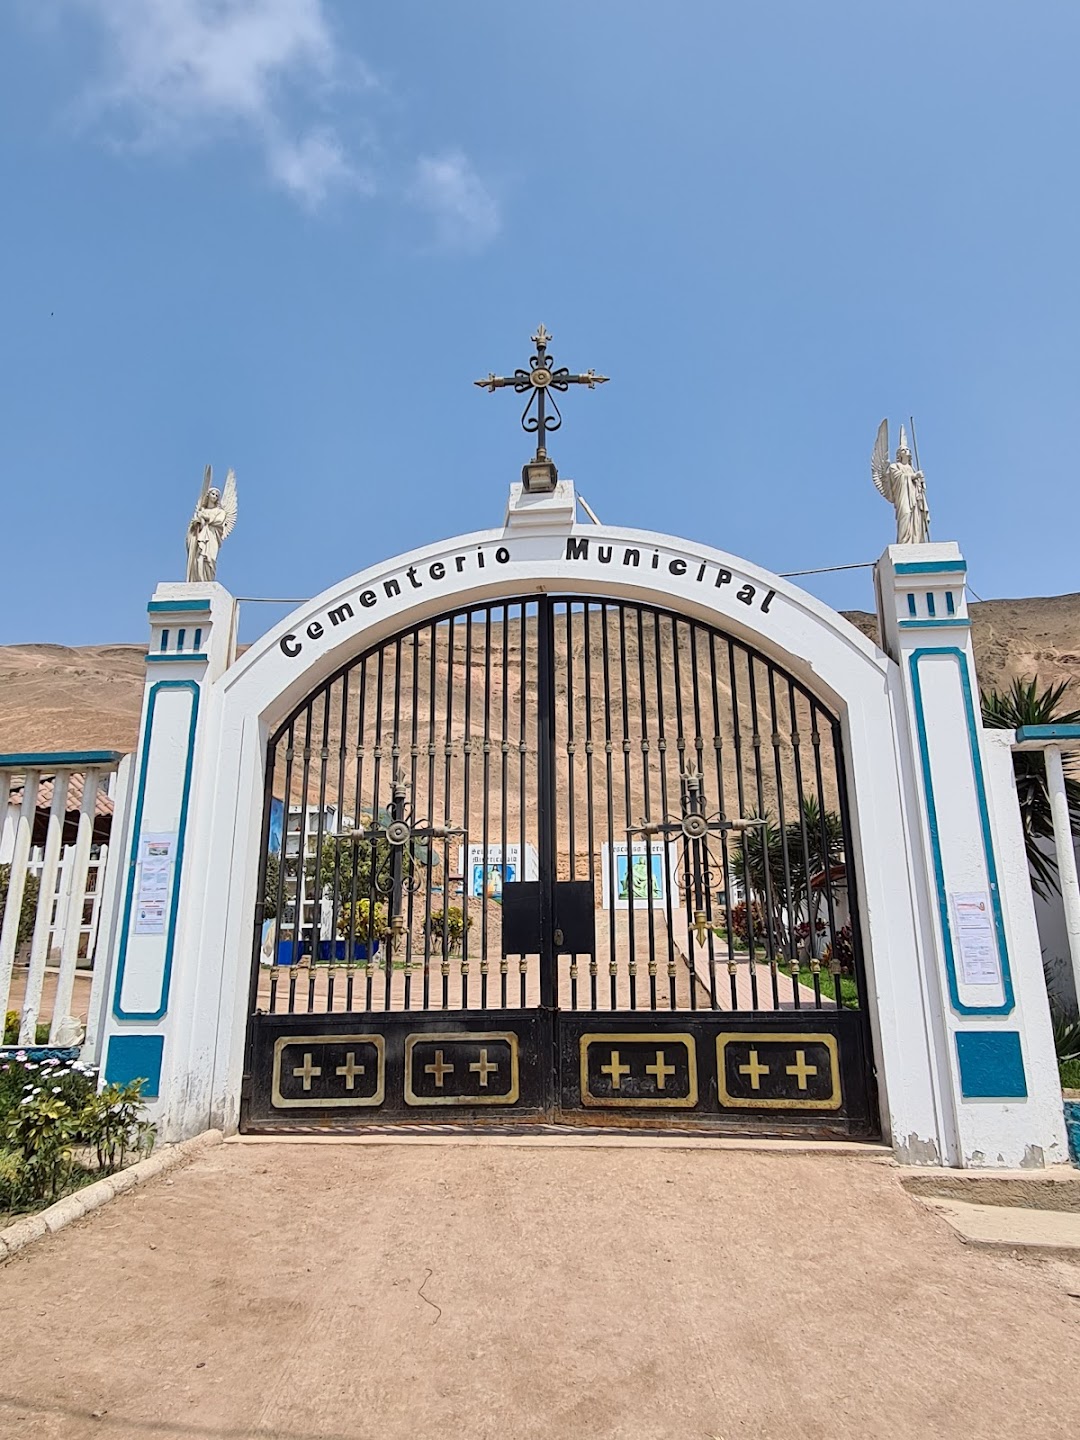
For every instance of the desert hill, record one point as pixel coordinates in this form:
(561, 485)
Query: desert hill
(56, 697)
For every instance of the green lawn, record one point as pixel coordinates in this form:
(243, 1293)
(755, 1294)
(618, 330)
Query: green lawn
(849, 994)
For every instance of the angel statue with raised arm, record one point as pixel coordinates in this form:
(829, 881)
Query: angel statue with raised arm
(903, 486)
(214, 518)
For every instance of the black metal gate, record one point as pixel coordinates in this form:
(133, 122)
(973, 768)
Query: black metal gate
(556, 858)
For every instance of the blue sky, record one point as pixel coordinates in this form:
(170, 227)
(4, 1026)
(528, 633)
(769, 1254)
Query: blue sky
(286, 235)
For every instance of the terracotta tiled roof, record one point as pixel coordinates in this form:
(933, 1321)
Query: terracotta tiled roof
(103, 805)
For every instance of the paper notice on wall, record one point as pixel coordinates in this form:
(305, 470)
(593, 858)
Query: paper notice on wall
(976, 938)
(156, 854)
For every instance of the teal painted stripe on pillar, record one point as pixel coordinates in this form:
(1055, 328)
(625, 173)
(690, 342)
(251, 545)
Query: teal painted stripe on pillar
(129, 896)
(955, 624)
(991, 1065)
(935, 842)
(931, 567)
(166, 607)
(174, 658)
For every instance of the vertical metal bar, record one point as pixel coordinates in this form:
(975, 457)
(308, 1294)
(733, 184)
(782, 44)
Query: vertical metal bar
(858, 968)
(589, 789)
(316, 910)
(704, 856)
(646, 785)
(339, 831)
(411, 876)
(781, 820)
(504, 798)
(301, 859)
(571, 753)
(545, 799)
(376, 837)
(748, 893)
(485, 821)
(467, 803)
(432, 632)
(523, 960)
(448, 753)
(357, 842)
(725, 851)
(394, 903)
(613, 966)
(661, 745)
(763, 832)
(804, 841)
(283, 857)
(815, 740)
(628, 806)
(690, 889)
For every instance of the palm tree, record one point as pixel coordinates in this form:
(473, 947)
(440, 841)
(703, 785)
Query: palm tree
(1025, 704)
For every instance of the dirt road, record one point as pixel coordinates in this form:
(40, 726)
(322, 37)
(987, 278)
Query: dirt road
(317, 1292)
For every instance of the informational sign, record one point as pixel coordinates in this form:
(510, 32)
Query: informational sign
(486, 872)
(635, 875)
(156, 856)
(976, 939)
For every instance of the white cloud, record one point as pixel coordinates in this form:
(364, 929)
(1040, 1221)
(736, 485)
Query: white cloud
(183, 72)
(466, 213)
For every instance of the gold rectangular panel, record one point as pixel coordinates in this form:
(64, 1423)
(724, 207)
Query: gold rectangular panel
(780, 1047)
(658, 1041)
(461, 1043)
(344, 1076)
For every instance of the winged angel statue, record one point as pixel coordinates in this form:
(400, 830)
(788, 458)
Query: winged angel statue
(903, 486)
(214, 518)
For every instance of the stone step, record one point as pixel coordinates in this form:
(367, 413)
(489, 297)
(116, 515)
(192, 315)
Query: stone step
(1008, 1227)
(1055, 1188)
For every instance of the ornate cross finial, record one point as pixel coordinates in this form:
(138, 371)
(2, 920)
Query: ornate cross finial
(539, 381)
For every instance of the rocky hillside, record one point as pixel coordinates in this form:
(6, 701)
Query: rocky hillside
(53, 697)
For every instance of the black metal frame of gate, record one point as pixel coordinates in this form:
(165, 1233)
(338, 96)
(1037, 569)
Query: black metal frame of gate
(535, 763)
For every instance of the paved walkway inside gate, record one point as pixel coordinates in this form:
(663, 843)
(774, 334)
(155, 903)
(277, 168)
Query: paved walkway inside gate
(340, 1292)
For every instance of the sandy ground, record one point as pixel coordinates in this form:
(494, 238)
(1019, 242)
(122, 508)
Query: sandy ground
(316, 1292)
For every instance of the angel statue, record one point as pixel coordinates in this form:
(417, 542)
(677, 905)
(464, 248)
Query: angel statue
(214, 518)
(903, 486)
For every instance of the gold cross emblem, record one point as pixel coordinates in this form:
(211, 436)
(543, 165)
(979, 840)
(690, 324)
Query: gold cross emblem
(350, 1070)
(615, 1070)
(484, 1067)
(755, 1070)
(660, 1070)
(801, 1069)
(307, 1070)
(439, 1068)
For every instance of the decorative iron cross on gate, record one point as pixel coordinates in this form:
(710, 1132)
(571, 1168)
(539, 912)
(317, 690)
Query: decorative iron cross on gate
(539, 380)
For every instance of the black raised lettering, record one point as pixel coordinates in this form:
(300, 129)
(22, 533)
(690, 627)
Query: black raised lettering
(502, 555)
(411, 573)
(437, 571)
(677, 567)
(767, 602)
(631, 557)
(315, 631)
(341, 613)
(290, 646)
(723, 577)
(392, 588)
(746, 594)
(367, 598)
(576, 548)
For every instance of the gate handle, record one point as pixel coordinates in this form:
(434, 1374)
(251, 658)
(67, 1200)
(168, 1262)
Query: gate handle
(558, 938)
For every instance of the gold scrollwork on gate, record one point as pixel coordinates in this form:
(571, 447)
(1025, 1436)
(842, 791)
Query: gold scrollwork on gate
(320, 1071)
(648, 1069)
(778, 1070)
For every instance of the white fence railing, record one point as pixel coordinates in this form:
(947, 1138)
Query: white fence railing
(58, 819)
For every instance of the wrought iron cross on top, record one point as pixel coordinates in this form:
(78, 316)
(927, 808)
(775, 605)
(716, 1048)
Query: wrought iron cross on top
(540, 380)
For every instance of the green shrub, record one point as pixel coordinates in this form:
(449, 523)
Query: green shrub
(449, 926)
(362, 923)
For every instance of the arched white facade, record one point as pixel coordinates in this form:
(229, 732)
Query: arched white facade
(211, 718)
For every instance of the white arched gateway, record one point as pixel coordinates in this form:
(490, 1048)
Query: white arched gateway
(570, 822)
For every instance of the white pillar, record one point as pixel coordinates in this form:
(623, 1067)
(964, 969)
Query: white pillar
(191, 642)
(1066, 855)
(983, 974)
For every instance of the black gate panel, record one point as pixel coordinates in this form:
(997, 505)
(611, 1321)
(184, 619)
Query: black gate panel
(803, 1074)
(559, 857)
(327, 1072)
